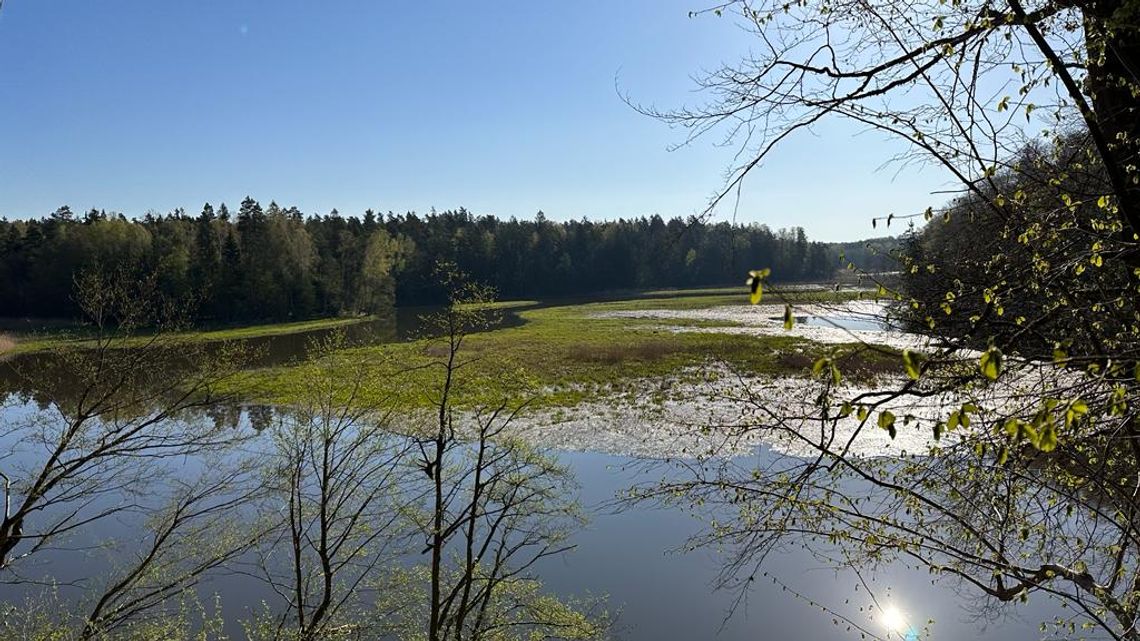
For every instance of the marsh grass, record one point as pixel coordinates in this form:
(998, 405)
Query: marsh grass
(651, 350)
(560, 356)
(80, 336)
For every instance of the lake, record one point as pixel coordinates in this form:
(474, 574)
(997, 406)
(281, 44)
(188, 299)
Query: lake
(630, 555)
(860, 323)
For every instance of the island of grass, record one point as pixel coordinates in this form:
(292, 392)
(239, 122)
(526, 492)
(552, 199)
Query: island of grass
(562, 355)
(80, 336)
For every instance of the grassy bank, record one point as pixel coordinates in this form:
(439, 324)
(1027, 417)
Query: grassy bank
(56, 334)
(79, 336)
(559, 355)
(565, 354)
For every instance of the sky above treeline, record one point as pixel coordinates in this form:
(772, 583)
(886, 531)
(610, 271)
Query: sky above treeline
(504, 108)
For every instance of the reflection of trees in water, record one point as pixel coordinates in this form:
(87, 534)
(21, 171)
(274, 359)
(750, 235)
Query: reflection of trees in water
(109, 441)
(45, 376)
(1025, 524)
(494, 507)
(319, 501)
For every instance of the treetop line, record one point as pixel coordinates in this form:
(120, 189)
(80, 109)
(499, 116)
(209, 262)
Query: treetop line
(277, 263)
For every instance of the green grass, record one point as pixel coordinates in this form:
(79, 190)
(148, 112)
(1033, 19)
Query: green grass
(503, 304)
(566, 354)
(278, 329)
(698, 291)
(82, 336)
(719, 297)
(22, 342)
(559, 356)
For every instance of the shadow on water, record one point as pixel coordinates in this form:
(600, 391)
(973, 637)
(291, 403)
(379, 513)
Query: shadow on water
(404, 324)
(23, 375)
(632, 555)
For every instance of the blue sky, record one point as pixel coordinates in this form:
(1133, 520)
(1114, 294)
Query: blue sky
(505, 108)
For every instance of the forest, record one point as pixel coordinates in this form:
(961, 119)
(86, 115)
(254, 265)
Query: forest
(276, 263)
(582, 430)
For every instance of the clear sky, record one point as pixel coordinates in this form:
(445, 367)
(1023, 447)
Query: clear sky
(505, 108)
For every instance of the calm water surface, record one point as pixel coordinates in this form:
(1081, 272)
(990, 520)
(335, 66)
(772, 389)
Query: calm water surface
(862, 322)
(630, 555)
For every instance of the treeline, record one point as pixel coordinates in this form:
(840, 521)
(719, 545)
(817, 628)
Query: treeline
(1036, 252)
(873, 255)
(257, 263)
(536, 258)
(262, 263)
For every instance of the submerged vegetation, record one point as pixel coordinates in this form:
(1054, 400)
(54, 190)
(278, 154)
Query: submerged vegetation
(1026, 282)
(562, 355)
(84, 336)
(326, 505)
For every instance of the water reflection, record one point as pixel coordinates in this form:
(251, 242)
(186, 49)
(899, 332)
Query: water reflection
(851, 322)
(42, 376)
(635, 556)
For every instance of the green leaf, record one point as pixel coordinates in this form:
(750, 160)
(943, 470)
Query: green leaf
(910, 362)
(1060, 355)
(1076, 409)
(1119, 404)
(887, 422)
(755, 284)
(1029, 433)
(954, 421)
(818, 365)
(1047, 441)
(990, 363)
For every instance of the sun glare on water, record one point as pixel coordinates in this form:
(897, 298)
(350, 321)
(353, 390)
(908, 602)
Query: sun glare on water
(894, 620)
